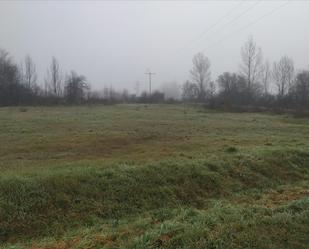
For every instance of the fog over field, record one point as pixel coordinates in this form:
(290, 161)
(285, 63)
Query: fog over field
(115, 43)
(154, 124)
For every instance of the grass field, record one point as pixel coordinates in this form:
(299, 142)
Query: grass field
(152, 176)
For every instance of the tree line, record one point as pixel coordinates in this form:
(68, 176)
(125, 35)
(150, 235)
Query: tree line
(19, 83)
(256, 84)
(19, 86)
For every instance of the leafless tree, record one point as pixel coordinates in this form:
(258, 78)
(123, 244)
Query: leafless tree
(54, 78)
(125, 96)
(266, 77)
(301, 89)
(200, 74)
(283, 75)
(76, 87)
(10, 90)
(30, 74)
(212, 89)
(251, 65)
(189, 91)
(232, 88)
(105, 93)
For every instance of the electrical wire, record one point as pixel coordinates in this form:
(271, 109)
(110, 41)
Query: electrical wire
(248, 25)
(227, 24)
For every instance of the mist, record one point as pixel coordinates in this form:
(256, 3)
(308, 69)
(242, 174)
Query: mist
(115, 43)
(154, 124)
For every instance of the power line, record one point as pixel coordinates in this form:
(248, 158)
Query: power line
(239, 16)
(230, 22)
(248, 25)
(228, 13)
(212, 26)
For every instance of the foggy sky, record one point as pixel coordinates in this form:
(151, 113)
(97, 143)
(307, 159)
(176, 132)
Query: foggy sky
(114, 43)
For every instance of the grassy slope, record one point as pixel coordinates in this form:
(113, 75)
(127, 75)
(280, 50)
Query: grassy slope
(152, 176)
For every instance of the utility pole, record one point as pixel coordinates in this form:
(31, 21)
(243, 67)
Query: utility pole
(149, 75)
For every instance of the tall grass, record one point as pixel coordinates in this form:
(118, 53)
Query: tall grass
(155, 176)
(51, 204)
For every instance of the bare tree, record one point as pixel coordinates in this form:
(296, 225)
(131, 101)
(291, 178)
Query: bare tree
(283, 75)
(266, 77)
(54, 78)
(189, 91)
(105, 93)
(231, 88)
(10, 89)
(125, 96)
(75, 89)
(212, 89)
(251, 65)
(30, 75)
(200, 74)
(301, 89)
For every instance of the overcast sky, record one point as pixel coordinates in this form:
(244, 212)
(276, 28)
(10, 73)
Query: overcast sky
(115, 42)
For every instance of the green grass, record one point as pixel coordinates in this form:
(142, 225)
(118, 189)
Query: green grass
(152, 176)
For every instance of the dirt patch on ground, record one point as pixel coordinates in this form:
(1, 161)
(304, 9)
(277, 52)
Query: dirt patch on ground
(281, 197)
(274, 198)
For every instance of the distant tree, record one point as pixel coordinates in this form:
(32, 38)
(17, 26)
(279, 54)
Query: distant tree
(54, 78)
(212, 89)
(9, 80)
(105, 93)
(189, 91)
(30, 74)
(125, 97)
(301, 89)
(232, 88)
(266, 77)
(283, 75)
(94, 97)
(12, 91)
(200, 74)
(75, 88)
(112, 94)
(251, 65)
(211, 94)
(143, 98)
(155, 97)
